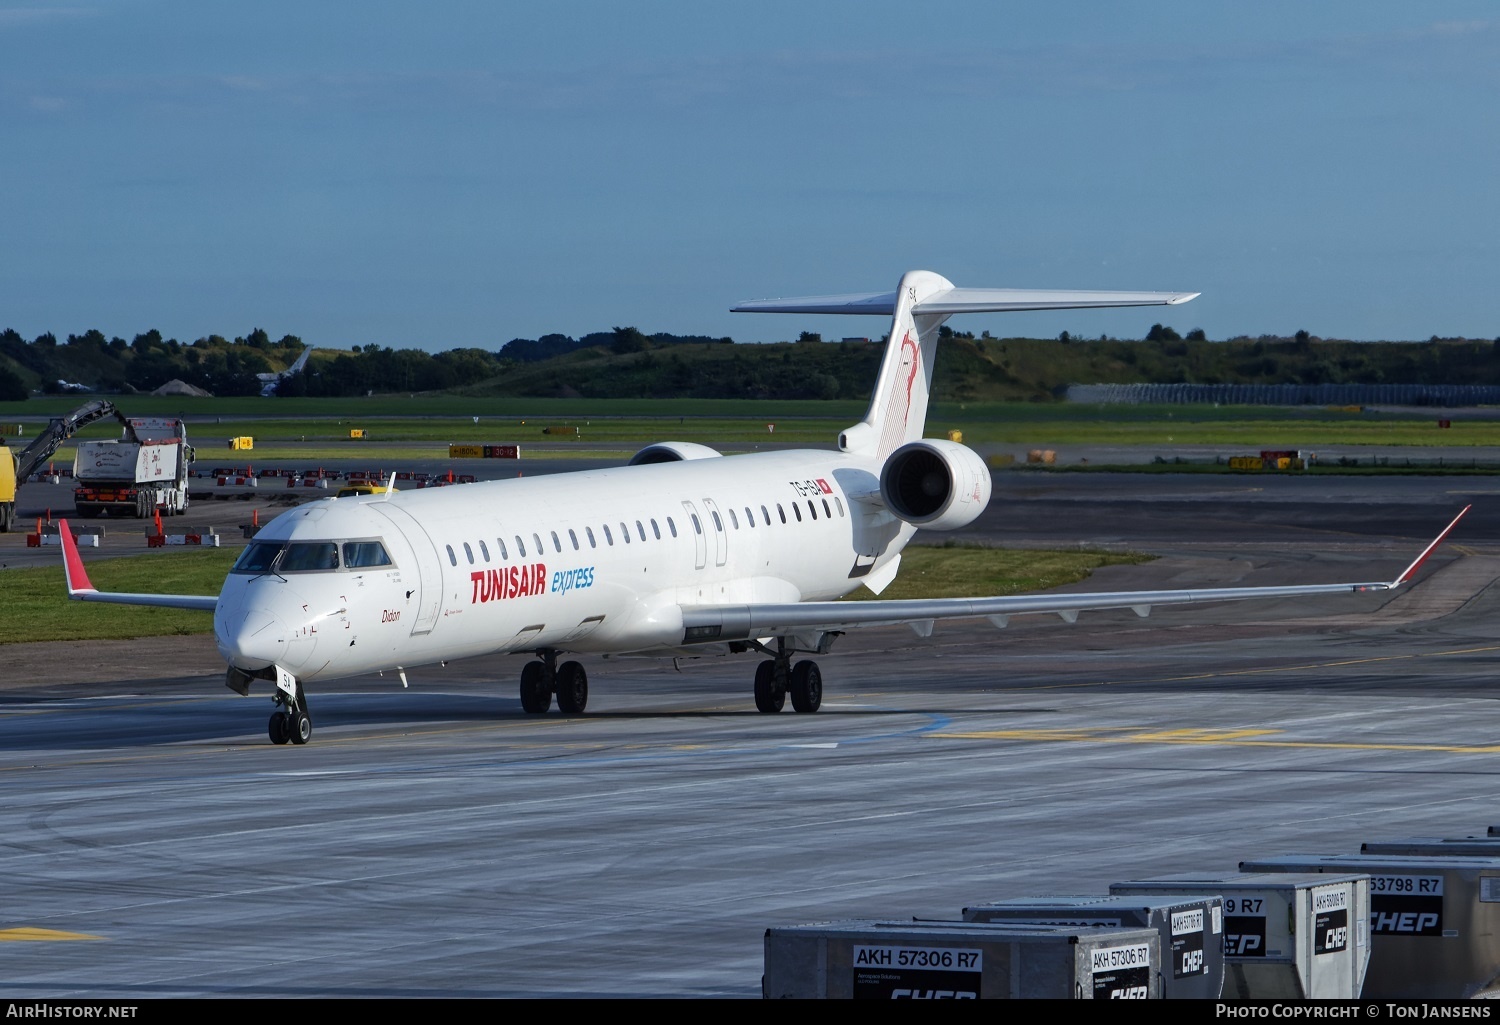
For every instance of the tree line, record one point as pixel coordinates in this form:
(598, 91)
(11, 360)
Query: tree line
(625, 362)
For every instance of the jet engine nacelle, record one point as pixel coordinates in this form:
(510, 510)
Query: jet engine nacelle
(936, 485)
(672, 452)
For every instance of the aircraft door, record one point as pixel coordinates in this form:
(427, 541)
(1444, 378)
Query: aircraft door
(696, 525)
(427, 578)
(721, 531)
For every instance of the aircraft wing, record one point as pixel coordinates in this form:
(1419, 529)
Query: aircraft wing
(964, 300)
(708, 623)
(81, 589)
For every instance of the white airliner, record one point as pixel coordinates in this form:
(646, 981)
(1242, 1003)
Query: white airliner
(681, 551)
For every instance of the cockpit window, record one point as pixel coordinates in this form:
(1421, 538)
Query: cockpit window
(258, 557)
(310, 556)
(303, 556)
(364, 554)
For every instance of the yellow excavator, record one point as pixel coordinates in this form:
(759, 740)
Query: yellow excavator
(16, 467)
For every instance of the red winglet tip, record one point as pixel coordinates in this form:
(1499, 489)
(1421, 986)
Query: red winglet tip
(1417, 562)
(77, 576)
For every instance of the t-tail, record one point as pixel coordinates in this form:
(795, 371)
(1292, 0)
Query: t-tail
(917, 308)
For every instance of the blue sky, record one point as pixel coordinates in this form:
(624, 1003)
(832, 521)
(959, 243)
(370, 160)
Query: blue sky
(453, 174)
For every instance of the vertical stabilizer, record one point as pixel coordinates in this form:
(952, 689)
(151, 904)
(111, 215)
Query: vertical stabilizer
(898, 407)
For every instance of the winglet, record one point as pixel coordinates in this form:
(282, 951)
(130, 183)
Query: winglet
(77, 576)
(1417, 562)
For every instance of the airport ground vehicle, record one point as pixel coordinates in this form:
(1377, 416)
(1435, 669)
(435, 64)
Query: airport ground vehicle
(142, 473)
(20, 465)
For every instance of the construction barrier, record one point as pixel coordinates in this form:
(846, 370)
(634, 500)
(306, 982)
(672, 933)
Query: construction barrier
(165, 540)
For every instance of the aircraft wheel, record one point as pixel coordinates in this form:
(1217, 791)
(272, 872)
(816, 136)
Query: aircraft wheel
(299, 726)
(535, 695)
(277, 728)
(807, 686)
(572, 688)
(768, 696)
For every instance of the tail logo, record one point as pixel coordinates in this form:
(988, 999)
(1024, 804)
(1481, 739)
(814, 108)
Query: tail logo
(911, 375)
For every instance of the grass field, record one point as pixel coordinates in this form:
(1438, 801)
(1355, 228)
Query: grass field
(287, 430)
(36, 608)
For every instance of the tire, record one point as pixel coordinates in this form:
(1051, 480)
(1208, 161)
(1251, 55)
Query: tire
(572, 688)
(768, 696)
(277, 728)
(536, 698)
(807, 686)
(299, 725)
(7, 516)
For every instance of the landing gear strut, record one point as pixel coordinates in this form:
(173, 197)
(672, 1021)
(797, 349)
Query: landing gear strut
(540, 680)
(290, 721)
(776, 676)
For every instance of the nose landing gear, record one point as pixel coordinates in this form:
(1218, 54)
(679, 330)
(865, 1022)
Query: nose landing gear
(291, 721)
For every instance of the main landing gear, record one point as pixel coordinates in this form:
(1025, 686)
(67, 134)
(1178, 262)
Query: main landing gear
(290, 721)
(776, 676)
(541, 680)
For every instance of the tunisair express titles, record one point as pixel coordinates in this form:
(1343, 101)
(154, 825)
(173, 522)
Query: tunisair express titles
(524, 581)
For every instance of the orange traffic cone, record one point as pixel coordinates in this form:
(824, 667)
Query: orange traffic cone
(255, 518)
(157, 516)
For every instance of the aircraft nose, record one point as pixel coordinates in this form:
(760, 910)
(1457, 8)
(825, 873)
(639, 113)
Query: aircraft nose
(253, 640)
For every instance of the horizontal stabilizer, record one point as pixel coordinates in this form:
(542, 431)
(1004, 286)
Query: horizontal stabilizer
(965, 300)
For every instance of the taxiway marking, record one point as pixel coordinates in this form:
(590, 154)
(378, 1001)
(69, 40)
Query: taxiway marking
(1214, 737)
(31, 934)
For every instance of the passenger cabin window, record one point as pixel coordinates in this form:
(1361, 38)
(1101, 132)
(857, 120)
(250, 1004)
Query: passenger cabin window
(697, 527)
(672, 526)
(365, 554)
(656, 530)
(451, 557)
(625, 533)
(718, 523)
(749, 516)
(540, 548)
(556, 544)
(796, 512)
(484, 550)
(610, 538)
(520, 546)
(574, 538)
(469, 552)
(765, 517)
(827, 511)
(812, 508)
(503, 553)
(782, 512)
(839, 504)
(734, 520)
(590, 532)
(640, 529)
